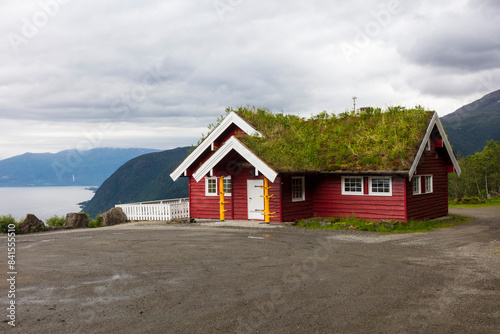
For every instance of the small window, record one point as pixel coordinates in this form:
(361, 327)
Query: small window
(428, 184)
(352, 186)
(381, 186)
(298, 189)
(227, 186)
(212, 186)
(416, 185)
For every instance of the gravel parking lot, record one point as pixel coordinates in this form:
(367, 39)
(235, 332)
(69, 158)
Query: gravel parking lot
(158, 278)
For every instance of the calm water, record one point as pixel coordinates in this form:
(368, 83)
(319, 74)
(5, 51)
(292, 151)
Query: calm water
(43, 202)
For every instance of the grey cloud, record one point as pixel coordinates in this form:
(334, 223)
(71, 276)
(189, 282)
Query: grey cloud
(182, 62)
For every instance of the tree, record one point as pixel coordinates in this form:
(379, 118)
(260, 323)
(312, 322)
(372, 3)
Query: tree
(480, 174)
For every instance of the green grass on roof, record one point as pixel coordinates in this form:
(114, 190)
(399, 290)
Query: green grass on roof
(374, 140)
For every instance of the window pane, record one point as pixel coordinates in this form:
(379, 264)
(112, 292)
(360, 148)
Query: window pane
(381, 185)
(353, 184)
(212, 186)
(416, 185)
(227, 185)
(297, 188)
(428, 184)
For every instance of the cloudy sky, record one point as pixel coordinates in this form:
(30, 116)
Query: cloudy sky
(154, 74)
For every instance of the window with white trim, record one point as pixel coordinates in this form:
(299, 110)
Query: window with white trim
(380, 186)
(298, 189)
(428, 184)
(352, 185)
(227, 186)
(422, 184)
(416, 185)
(212, 186)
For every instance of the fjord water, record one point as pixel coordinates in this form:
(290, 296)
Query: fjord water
(43, 202)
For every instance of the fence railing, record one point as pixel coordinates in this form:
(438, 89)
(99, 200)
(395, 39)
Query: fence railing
(156, 210)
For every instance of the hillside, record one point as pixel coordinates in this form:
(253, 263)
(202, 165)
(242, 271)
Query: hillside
(471, 126)
(144, 178)
(89, 168)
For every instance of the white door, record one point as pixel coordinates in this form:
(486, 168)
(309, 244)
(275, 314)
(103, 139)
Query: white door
(255, 201)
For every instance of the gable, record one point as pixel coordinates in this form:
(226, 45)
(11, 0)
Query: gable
(231, 119)
(434, 124)
(234, 144)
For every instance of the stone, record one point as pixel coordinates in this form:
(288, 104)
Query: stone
(77, 220)
(31, 224)
(185, 220)
(113, 217)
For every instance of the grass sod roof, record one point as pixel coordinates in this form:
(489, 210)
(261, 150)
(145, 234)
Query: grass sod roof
(373, 141)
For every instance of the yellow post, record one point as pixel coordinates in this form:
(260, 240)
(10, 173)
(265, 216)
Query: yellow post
(267, 214)
(222, 202)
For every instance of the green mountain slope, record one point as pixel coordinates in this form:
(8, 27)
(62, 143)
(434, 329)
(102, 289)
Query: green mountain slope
(88, 168)
(471, 126)
(145, 178)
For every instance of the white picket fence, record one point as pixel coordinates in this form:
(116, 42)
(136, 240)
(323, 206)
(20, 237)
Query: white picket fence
(157, 210)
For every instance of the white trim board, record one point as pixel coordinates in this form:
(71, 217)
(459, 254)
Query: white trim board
(234, 144)
(231, 118)
(434, 121)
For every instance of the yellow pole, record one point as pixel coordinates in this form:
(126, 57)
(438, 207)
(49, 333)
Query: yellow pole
(221, 194)
(267, 218)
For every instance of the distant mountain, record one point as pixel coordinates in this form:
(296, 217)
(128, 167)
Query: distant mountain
(145, 178)
(471, 126)
(65, 168)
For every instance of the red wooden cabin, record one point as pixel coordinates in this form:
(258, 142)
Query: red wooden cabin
(417, 190)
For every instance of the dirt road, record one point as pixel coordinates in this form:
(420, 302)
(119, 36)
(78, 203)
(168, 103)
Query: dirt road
(154, 278)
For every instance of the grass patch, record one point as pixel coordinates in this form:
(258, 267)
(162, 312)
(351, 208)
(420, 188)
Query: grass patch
(375, 140)
(352, 223)
(473, 202)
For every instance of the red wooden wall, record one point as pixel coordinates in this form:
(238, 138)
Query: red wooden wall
(329, 200)
(296, 210)
(435, 204)
(202, 206)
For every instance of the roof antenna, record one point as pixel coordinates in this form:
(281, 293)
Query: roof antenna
(354, 99)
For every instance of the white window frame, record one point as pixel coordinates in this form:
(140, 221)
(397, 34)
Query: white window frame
(226, 179)
(357, 193)
(370, 186)
(207, 182)
(302, 185)
(429, 187)
(418, 181)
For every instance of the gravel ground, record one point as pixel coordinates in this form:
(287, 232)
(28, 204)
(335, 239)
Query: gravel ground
(158, 278)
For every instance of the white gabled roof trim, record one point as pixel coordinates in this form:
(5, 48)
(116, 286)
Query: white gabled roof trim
(434, 121)
(234, 144)
(231, 118)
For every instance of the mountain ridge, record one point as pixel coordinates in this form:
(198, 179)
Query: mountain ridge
(65, 168)
(471, 126)
(144, 178)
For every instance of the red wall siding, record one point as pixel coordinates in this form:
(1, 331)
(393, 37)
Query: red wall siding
(435, 204)
(241, 200)
(329, 201)
(202, 206)
(297, 210)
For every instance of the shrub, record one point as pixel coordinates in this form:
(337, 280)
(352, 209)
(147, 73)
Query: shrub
(469, 200)
(96, 222)
(56, 221)
(5, 221)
